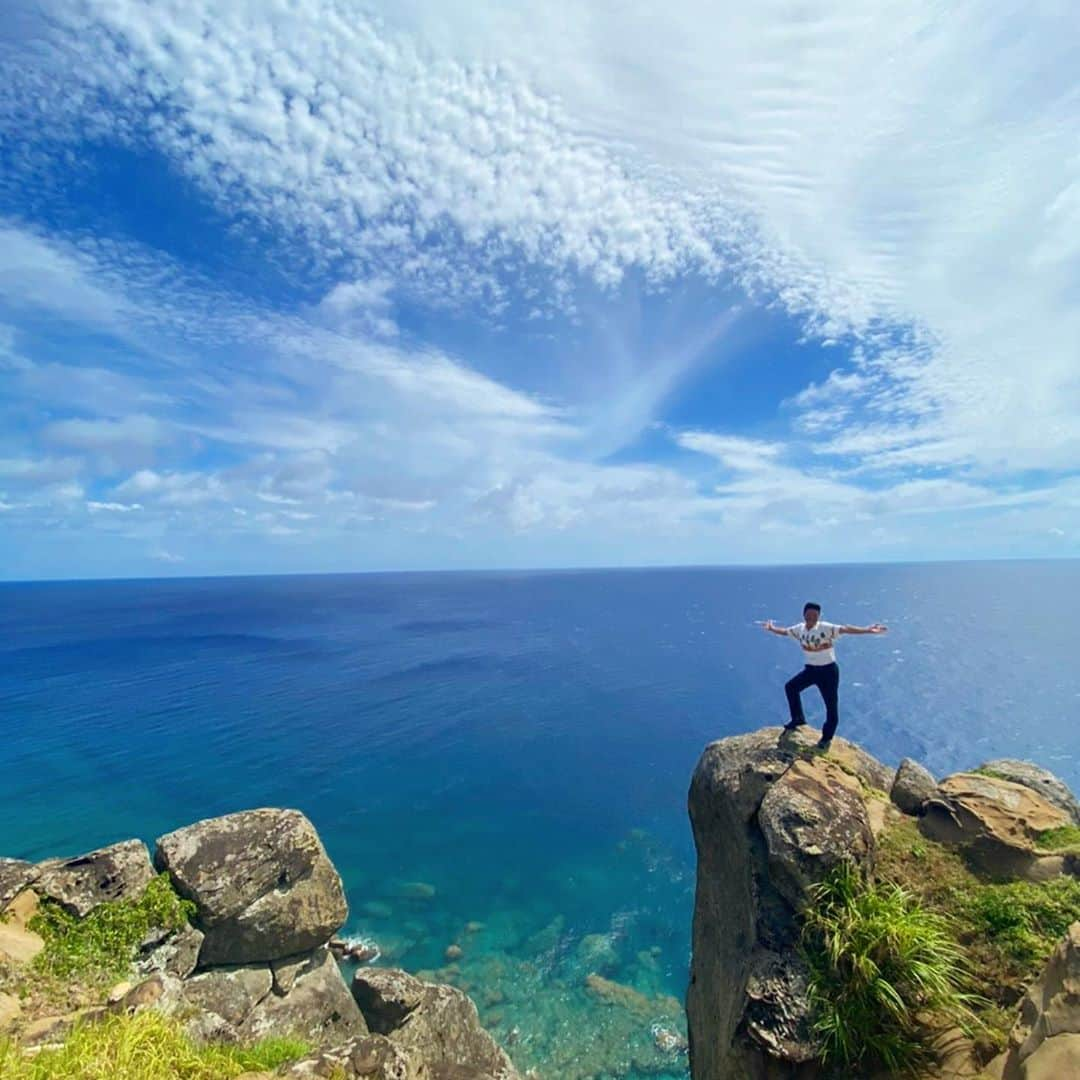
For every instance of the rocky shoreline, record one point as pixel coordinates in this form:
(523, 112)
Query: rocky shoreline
(256, 959)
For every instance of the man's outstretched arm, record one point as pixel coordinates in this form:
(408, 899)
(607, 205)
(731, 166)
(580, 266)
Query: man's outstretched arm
(877, 628)
(773, 628)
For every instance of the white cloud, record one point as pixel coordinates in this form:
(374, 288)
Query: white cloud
(875, 167)
(112, 507)
(733, 451)
(903, 178)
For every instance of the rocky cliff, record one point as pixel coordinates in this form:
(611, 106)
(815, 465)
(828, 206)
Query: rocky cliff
(255, 959)
(771, 819)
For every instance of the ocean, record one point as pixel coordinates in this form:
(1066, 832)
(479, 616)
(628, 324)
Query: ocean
(498, 763)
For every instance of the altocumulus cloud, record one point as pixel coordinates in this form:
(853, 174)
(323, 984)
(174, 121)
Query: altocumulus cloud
(900, 180)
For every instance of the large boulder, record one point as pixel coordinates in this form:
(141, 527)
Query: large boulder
(1044, 783)
(317, 1007)
(996, 823)
(769, 821)
(913, 787)
(435, 1024)
(812, 818)
(118, 872)
(15, 875)
(261, 881)
(1044, 1043)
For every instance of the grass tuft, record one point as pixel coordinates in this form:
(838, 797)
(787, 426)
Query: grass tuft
(147, 1046)
(880, 965)
(1064, 839)
(102, 945)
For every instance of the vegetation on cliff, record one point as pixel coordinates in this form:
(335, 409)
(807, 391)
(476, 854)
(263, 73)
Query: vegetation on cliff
(147, 1046)
(102, 945)
(1003, 931)
(879, 960)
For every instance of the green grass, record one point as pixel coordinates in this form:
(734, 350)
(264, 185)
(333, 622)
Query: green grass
(881, 964)
(992, 773)
(148, 1046)
(102, 945)
(1064, 839)
(1007, 931)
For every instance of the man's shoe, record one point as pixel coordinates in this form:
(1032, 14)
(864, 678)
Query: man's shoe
(823, 745)
(793, 724)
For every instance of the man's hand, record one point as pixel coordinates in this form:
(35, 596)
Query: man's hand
(877, 628)
(767, 625)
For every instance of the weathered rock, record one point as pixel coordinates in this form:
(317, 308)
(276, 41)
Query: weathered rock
(996, 824)
(261, 881)
(913, 786)
(318, 1006)
(1049, 1012)
(777, 1013)
(15, 875)
(369, 1057)
(386, 997)
(118, 872)
(10, 1010)
(1045, 783)
(866, 768)
(437, 1024)
(812, 818)
(18, 944)
(229, 992)
(176, 953)
(118, 992)
(1056, 1059)
(48, 1030)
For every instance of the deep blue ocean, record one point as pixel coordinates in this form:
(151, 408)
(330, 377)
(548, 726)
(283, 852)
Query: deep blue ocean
(500, 761)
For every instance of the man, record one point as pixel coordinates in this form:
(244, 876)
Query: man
(816, 640)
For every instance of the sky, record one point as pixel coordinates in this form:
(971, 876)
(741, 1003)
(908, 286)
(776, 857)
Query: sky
(315, 285)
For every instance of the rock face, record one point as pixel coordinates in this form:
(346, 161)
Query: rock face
(15, 875)
(1045, 1041)
(117, 872)
(1043, 783)
(996, 824)
(435, 1025)
(812, 817)
(261, 881)
(371, 1057)
(913, 787)
(767, 825)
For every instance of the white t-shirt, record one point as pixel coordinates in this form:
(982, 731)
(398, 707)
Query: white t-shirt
(817, 644)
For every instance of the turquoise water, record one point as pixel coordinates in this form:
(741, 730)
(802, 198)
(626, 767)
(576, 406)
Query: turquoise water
(499, 762)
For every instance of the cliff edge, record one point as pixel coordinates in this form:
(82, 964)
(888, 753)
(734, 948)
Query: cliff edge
(988, 860)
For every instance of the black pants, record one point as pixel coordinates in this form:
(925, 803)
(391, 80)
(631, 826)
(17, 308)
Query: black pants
(826, 677)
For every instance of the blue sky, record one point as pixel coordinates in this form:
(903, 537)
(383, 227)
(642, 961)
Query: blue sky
(328, 286)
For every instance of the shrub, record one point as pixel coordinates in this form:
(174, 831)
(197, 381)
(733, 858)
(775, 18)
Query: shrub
(147, 1046)
(1024, 920)
(880, 965)
(103, 944)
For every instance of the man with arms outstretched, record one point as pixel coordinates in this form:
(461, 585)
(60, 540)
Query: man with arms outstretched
(816, 639)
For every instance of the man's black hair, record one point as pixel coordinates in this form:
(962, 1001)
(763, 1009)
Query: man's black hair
(811, 606)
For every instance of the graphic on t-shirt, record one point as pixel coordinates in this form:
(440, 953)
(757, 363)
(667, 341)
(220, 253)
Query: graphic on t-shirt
(819, 639)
